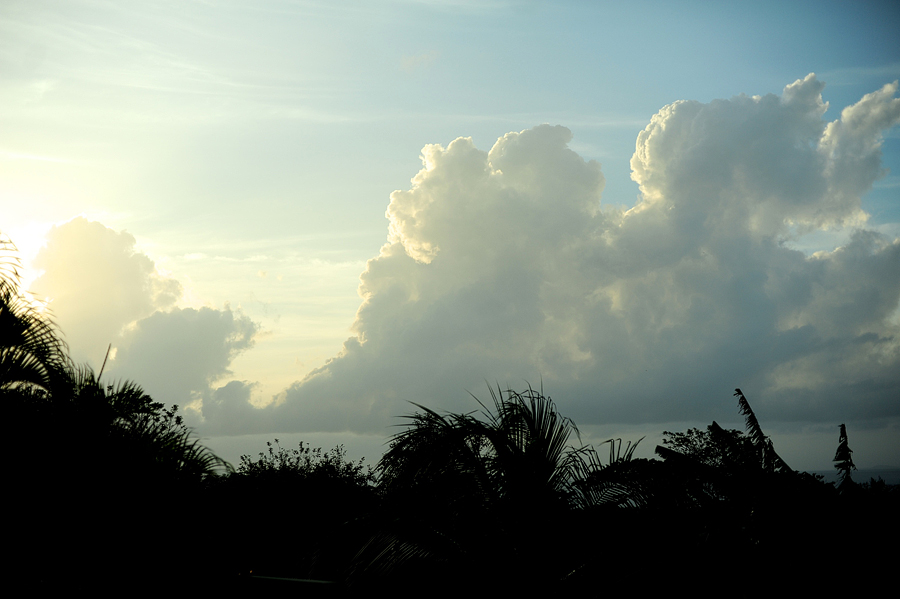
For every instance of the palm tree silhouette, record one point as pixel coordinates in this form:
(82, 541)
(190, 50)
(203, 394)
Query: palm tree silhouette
(844, 461)
(768, 459)
(92, 460)
(35, 366)
(503, 485)
(516, 453)
(32, 353)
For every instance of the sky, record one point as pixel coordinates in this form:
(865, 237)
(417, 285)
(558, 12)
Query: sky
(294, 218)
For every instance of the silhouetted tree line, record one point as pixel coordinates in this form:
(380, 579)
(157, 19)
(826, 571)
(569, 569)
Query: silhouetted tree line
(111, 491)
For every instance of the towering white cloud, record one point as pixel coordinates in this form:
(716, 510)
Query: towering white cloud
(502, 266)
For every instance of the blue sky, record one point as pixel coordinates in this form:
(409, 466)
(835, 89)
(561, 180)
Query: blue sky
(229, 165)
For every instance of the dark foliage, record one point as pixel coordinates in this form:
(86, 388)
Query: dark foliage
(503, 486)
(110, 490)
(103, 463)
(306, 463)
(715, 447)
(93, 465)
(293, 513)
(737, 498)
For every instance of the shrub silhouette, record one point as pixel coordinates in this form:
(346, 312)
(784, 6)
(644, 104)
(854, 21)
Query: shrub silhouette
(300, 512)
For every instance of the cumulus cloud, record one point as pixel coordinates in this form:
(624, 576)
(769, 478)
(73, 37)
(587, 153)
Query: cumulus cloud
(98, 284)
(503, 266)
(178, 355)
(104, 291)
(228, 411)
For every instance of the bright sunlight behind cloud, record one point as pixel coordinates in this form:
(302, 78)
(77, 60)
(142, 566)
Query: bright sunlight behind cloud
(105, 292)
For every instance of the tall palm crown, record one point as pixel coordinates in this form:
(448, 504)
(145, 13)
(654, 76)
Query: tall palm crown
(844, 460)
(529, 440)
(503, 485)
(517, 452)
(465, 488)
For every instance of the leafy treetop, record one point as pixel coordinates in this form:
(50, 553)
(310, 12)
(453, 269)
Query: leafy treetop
(307, 463)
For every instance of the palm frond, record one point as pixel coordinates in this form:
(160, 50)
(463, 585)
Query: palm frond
(754, 431)
(516, 452)
(843, 459)
(769, 459)
(32, 351)
(610, 484)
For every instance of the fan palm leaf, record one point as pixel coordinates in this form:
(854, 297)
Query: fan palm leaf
(617, 483)
(529, 442)
(461, 482)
